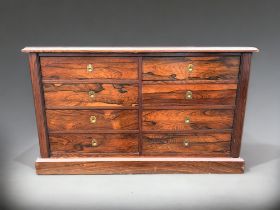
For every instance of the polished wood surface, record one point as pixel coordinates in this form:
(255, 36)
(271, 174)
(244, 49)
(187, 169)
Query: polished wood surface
(203, 68)
(119, 110)
(76, 68)
(174, 120)
(241, 104)
(140, 109)
(177, 94)
(82, 143)
(137, 49)
(139, 165)
(91, 95)
(214, 145)
(39, 105)
(65, 120)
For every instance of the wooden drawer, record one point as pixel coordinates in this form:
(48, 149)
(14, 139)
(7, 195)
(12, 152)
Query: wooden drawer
(91, 95)
(181, 120)
(93, 143)
(71, 120)
(187, 144)
(212, 68)
(77, 68)
(160, 94)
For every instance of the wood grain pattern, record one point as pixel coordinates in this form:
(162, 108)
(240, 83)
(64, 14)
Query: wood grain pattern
(140, 109)
(202, 106)
(184, 82)
(101, 131)
(174, 120)
(64, 120)
(204, 131)
(76, 68)
(204, 68)
(89, 81)
(175, 95)
(92, 155)
(77, 95)
(35, 75)
(198, 145)
(241, 104)
(140, 165)
(82, 143)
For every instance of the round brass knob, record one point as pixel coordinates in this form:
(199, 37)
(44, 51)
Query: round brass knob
(89, 68)
(92, 119)
(94, 143)
(91, 93)
(186, 143)
(187, 120)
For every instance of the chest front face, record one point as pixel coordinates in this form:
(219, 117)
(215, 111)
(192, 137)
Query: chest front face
(140, 111)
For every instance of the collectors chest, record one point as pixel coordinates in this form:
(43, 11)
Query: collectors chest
(123, 110)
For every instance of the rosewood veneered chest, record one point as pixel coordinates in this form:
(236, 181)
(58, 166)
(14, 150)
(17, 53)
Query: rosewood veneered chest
(122, 110)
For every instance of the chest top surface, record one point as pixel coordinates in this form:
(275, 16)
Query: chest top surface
(138, 49)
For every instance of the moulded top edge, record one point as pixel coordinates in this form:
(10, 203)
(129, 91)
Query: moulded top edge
(136, 49)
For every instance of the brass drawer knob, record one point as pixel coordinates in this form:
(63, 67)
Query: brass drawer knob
(187, 120)
(189, 94)
(89, 68)
(190, 68)
(94, 143)
(92, 119)
(186, 143)
(91, 93)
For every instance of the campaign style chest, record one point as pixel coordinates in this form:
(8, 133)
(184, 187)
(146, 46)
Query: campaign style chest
(125, 110)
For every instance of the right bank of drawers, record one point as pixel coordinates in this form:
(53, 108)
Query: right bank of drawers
(188, 104)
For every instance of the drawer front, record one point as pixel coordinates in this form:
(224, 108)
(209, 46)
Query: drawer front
(182, 95)
(93, 143)
(191, 68)
(187, 144)
(180, 120)
(91, 95)
(89, 68)
(69, 120)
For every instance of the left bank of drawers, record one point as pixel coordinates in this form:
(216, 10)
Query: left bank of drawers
(91, 104)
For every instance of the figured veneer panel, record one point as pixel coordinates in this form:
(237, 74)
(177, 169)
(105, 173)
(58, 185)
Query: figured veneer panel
(241, 104)
(102, 95)
(39, 105)
(76, 67)
(204, 68)
(176, 94)
(82, 143)
(167, 68)
(174, 120)
(70, 120)
(212, 144)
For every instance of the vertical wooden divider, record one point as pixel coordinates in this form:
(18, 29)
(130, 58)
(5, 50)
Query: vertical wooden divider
(140, 105)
